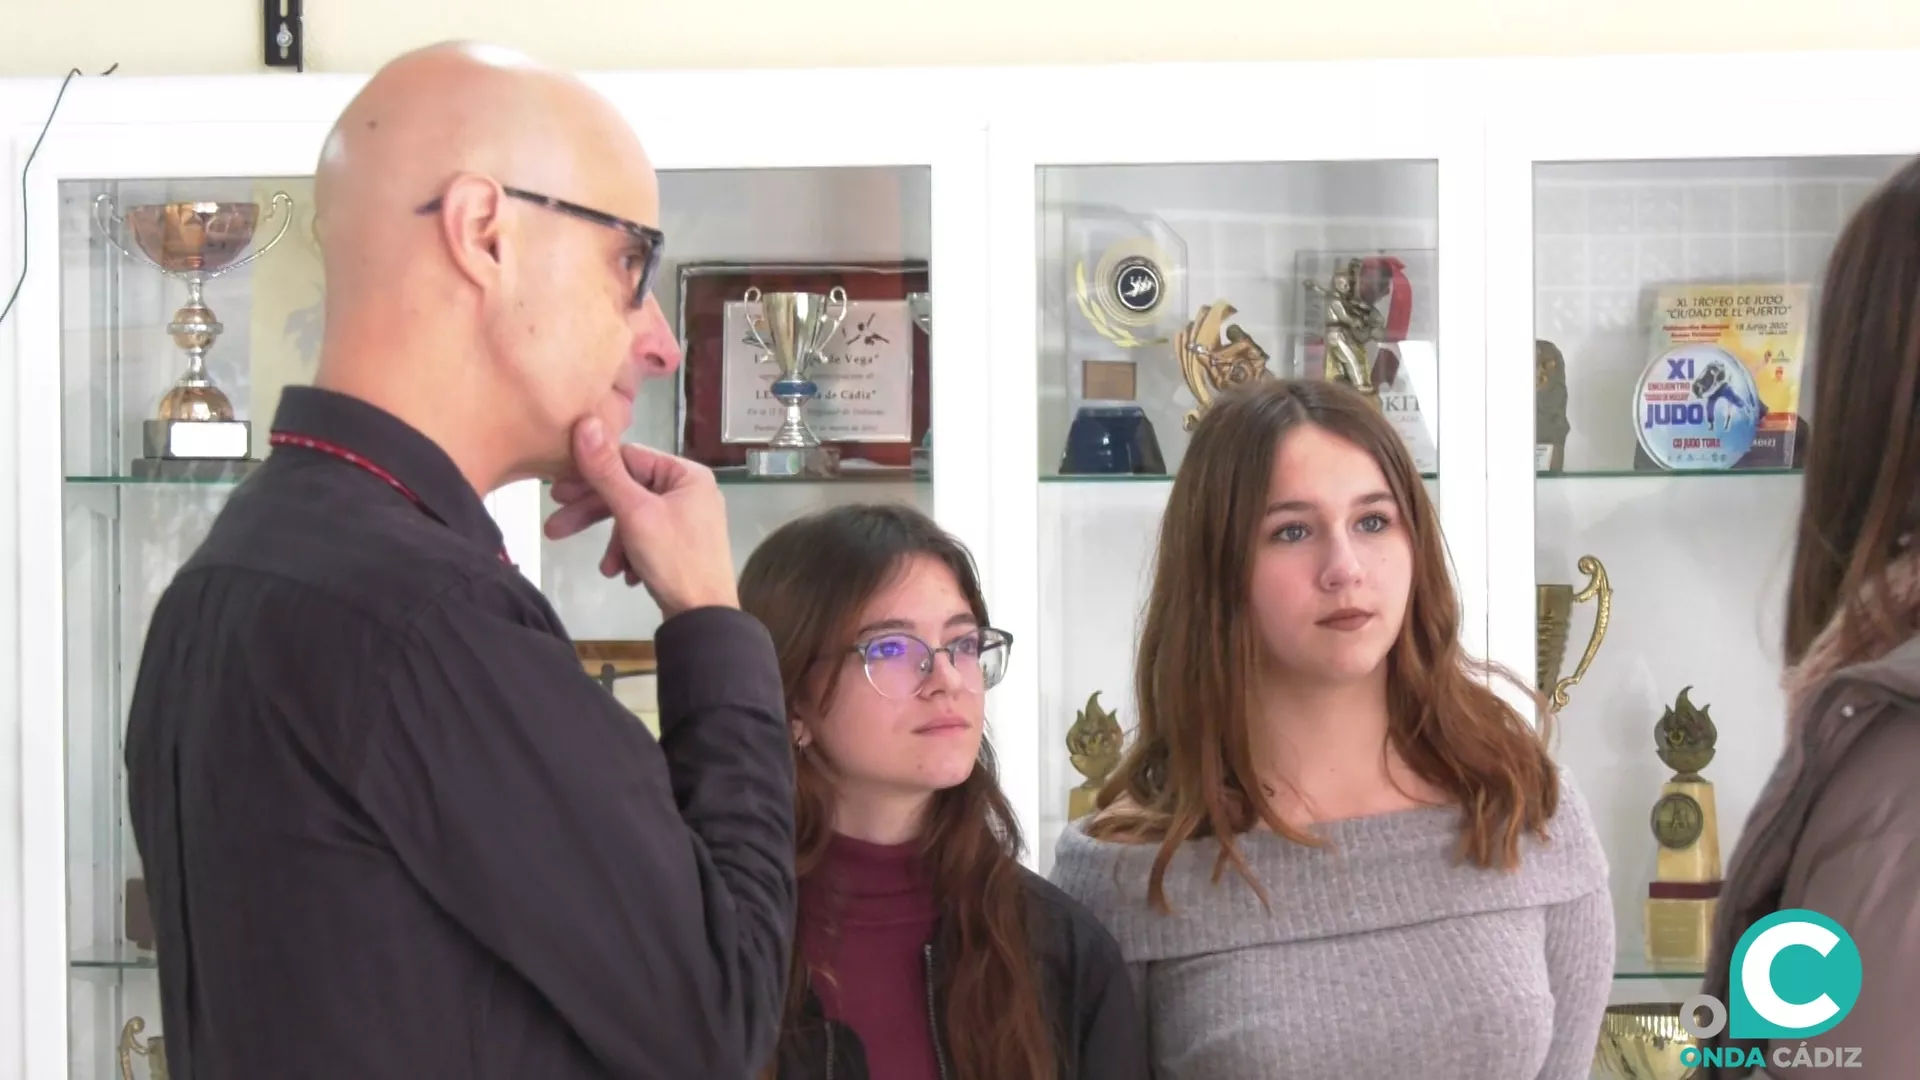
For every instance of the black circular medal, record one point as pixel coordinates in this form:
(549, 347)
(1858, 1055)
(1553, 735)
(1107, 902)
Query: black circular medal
(1136, 284)
(1677, 820)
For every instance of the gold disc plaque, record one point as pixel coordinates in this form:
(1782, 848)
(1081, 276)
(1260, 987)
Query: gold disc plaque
(1677, 820)
(1128, 289)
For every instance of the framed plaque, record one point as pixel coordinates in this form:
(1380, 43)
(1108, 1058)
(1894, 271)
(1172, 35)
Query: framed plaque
(873, 400)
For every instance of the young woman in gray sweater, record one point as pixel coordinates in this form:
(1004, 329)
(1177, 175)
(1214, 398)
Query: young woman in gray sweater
(1332, 850)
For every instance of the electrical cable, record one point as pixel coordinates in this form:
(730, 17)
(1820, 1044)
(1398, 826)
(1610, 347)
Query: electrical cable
(21, 282)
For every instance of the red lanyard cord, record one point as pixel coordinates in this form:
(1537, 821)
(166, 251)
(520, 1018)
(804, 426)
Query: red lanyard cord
(308, 442)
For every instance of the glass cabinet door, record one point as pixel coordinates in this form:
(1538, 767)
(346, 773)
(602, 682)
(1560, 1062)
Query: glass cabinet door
(845, 255)
(1672, 335)
(175, 290)
(1157, 285)
(185, 306)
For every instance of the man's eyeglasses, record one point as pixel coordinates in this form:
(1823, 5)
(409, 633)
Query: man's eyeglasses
(898, 664)
(642, 262)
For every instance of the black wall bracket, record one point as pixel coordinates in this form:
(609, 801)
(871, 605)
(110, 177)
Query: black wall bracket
(286, 34)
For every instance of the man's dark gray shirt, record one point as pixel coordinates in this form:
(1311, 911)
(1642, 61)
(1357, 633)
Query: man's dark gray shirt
(390, 828)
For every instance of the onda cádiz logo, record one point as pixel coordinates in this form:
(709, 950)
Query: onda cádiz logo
(1794, 975)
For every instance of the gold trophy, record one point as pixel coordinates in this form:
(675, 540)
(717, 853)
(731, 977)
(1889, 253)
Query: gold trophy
(194, 435)
(154, 1051)
(1212, 365)
(1686, 881)
(1642, 1042)
(1350, 324)
(1093, 746)
(1553, 623)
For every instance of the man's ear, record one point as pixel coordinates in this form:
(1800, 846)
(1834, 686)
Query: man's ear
(473, 223)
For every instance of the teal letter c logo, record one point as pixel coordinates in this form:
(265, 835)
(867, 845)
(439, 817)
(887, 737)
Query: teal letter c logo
(1796, 973)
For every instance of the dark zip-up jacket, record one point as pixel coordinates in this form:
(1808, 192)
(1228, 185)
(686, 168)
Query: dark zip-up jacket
(1084, 987)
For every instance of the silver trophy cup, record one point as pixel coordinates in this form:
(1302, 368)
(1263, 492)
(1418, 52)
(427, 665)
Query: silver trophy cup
(194, 433)
(792, 329)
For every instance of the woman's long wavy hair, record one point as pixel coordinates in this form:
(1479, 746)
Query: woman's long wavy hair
(808, 582)
(1861, 504)
(1189, 772)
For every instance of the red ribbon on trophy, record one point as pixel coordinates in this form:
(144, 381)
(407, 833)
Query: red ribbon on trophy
(1386, 276)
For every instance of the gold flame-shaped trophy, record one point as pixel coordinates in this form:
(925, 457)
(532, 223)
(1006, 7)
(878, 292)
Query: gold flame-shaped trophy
(1093, 746)
(1686, 881)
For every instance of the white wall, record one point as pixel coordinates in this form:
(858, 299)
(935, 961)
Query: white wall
(207, 36)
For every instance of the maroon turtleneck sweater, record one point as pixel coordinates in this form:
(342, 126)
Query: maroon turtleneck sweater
(866, 917)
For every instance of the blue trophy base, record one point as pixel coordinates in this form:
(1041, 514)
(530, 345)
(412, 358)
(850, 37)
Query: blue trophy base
(1112, 440)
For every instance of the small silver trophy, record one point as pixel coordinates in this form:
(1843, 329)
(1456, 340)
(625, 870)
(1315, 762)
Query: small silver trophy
(792, 329)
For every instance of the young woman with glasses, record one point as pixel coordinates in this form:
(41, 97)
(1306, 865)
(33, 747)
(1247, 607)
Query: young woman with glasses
(925, 951)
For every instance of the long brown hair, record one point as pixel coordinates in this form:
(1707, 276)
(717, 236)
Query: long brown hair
(1189, 772)
(808, 582)
(1862, 483)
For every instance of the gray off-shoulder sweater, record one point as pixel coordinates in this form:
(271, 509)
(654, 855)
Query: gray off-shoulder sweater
(1381, 957)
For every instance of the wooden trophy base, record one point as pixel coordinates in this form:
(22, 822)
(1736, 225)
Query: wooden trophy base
(1679, 931)
(1080, 802)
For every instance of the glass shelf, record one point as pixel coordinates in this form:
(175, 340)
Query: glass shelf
(1664, 474)
(851, 476)
(1134, 478)
(119, 956)
(155, 481)
(1634, 965)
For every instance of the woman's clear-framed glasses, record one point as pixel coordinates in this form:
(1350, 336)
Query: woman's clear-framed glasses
(898, 664)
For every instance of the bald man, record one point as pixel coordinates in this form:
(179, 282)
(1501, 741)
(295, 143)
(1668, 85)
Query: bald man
(389, 827)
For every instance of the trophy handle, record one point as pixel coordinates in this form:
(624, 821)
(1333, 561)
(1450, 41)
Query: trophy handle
(752, 296)
(282, 207)
(129, 1045)
(1596, 586)
(837, 301)
(111, 222)
(1193, 367)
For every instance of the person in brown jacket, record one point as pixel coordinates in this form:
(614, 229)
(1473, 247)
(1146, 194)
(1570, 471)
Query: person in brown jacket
(1837, 828)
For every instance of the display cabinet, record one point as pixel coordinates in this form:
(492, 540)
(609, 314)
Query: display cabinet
(879, 248)
(1139, 271)
(181, 294)
(1537, 239)
(175, 276)
(1674, 274)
